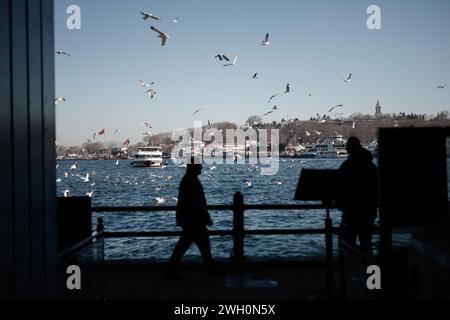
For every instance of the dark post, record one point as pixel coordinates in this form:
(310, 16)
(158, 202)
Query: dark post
(342, 272)
(329, 253)
(238, 227)
(100, 227)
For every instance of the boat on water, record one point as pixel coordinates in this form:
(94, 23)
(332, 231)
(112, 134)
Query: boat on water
(331, 147)
(148, 157)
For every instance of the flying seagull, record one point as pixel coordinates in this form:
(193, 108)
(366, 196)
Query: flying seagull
(59, 99)
(145, 84)
(265, 42)
(151, 93)
(233, 63)
(275, 108)
(209, 124)
(197, 111)
(307, 133)
(255, 76)
(442, 86)
(349, 78)
(267, 113)
(288, 88)
(270, 99)
(148, 15)
(221, 57)
(160, 200)
(60, 52)
(89, 194)
(336, 106)
(147, 124)
(175, 20)
(318, 132)
(164, 36)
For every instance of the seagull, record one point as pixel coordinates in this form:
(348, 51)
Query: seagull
(160, 200)
(66, 175)
(148, 15)
(209, 124)
(336, 106)
(255, 76)
(233, 63)
(288, 88)
(59, 99)
(145, 84)
(58, 180)
(197, 111)
(265, 42)
(117, 130)
(151, 93)
(74, 166)
(60, 52)
(354, 125)
(86, 179)
(349, 78)
(278, 182)
(117, 162)
(275, 95)
(221, 57)
(248, 183)
(267, 113)
(318, 132)
(147, 124)
(175, 20)
(66, 193)
(89, 194)
(307, 133)
(442, 86)
(275, 108)
(164, 36)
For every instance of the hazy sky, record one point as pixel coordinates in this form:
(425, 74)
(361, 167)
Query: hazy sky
(314, 45)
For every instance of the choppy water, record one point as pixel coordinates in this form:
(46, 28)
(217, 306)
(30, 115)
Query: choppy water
(123, 185)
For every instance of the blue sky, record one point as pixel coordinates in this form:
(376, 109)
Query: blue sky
(314, 45)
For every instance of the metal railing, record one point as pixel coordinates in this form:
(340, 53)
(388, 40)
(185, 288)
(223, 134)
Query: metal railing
(238, 232)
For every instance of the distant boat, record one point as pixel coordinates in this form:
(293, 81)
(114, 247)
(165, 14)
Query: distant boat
(148, 157)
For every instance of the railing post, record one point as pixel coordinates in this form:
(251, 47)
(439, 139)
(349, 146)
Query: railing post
(329, 253)
(238, 227)
(342, 271)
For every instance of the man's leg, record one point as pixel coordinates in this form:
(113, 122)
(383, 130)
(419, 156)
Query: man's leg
(365, 239)
(201, 239)
(181, 247)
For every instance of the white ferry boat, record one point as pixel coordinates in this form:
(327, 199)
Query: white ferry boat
(331, 147)
(148, 157)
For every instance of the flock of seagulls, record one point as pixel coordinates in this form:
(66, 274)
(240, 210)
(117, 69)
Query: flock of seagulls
(227, 62)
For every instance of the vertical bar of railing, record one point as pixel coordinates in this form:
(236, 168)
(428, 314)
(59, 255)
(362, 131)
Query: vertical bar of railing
(342, 272)
(329, 253)
(101, 239)
(238, 227)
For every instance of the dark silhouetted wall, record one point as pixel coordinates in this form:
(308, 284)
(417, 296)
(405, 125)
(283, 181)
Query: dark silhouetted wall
(28, 254)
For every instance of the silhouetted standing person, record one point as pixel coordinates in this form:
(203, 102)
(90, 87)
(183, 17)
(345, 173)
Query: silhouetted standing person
(358, 195)
(193, 217)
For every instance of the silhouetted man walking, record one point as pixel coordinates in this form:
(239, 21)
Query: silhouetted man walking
(193, 217)
(358, 195)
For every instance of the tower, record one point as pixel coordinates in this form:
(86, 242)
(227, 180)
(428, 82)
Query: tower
(378, 110)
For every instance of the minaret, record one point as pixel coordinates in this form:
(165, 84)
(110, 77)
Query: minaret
(378, 110)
